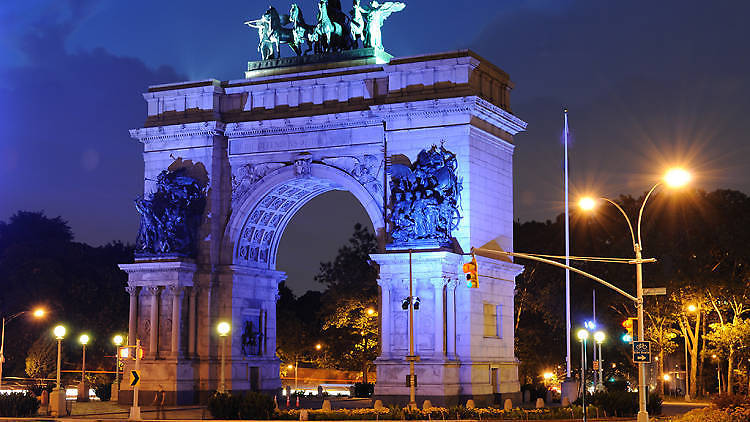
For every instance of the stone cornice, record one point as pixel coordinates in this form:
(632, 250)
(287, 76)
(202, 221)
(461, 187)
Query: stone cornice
(148, 135)
(495, 115)
(301, 124)
(159, 267)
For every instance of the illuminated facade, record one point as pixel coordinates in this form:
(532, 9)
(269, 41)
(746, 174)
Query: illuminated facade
(266, 145)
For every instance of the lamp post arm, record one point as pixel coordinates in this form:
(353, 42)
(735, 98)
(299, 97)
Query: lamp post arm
(627, 219)
(640, 213)
(561, 265)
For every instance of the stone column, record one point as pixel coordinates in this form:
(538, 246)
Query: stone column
(437, 326)
(385, 320)
(192, 304)
(176, 292)
(153, 344)
(133, 317)
(450, 299)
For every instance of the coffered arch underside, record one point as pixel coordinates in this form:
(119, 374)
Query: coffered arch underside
(264, 214)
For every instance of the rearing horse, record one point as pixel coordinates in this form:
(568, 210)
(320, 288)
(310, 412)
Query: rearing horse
(331, 30)
(279, 34)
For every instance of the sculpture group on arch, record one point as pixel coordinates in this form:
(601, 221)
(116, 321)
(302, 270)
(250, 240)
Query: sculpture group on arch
(425, 198)
(334, 30)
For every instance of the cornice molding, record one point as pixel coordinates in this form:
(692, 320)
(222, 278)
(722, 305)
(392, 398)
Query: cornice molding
(149, 135)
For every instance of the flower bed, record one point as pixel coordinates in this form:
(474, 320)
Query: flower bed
(437, 413)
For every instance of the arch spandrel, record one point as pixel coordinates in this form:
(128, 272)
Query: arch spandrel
(260, 216)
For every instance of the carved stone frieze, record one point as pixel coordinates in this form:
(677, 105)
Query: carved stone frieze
(246, 176)
(366, 168)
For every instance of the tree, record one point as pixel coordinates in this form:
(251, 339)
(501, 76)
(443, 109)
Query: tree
(352, 336)
(352, 273)
(660, 331)
(40, 361)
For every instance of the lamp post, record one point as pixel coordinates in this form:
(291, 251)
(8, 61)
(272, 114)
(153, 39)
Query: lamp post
(117, 340)
(223, 328)
(38, 313)
(599, 338)
(718, 372)
(83, 391)
(583, 335)
(674, 178)
(57, 398)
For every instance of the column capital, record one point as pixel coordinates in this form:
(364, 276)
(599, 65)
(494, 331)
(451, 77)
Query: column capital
(154, 290)
(175, 290)
(132, 290)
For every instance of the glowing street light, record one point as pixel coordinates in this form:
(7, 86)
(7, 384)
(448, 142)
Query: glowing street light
(223, 328)
(587, 203)
(118, 340)
(583, 335)
(673, 178)
(38, 313)
(599, 338)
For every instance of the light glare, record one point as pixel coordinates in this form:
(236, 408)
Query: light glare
(59, 331)
(118, 339)
(587, 203)
(599, 336)
(38, 313)
(677, 177)
(223, 328)
(583, 334)
(84, 339)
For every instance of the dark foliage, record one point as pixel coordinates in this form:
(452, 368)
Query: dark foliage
(364, 389)
(103, 391)
(251, 405)
(18, 404)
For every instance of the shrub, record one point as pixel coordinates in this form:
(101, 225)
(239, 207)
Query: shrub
(364, 389)
(18, 404)
(654, 403)
(223, 406)
(103, 391)
(254, 405)
(727, 401)
(251, 405)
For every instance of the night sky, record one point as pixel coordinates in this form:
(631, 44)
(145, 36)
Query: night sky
(648, 84)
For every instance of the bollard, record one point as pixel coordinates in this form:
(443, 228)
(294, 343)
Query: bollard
(378, 404)
(426, 405)
(508, 405)
(326, 405)
(470, 404)
(303, 416)
(565, 402)
(540, 403)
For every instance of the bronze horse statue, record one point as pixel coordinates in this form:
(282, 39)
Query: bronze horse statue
(329, 32)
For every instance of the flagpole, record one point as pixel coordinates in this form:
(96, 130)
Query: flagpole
(567, 254)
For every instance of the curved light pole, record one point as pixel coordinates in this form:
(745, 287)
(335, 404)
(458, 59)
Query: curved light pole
(38, 313)
(223, 328)
(674, 178)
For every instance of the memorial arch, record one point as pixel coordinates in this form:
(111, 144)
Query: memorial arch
(269, 143)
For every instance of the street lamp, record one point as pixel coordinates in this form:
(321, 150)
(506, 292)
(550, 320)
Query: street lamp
(599, 338)
(38, 313)
(117, 340)
(674, 178)
(718, 371)
(57, 398)
(83, 391)
(583, 335)
(223, 328)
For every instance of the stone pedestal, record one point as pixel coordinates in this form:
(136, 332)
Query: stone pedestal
(463, 336)
(57, 405)
(569, 390)
(159, 317)
(83, 391)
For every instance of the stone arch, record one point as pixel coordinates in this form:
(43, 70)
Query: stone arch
(260, 217)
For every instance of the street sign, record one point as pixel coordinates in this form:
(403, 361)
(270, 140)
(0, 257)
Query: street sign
(655, 291)
(135, 378)
(596, 365)
(642, 351)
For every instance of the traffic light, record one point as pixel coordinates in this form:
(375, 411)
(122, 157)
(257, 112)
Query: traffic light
(628, 325)
(470, 269)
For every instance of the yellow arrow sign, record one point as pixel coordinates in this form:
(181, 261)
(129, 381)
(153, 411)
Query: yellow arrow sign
(135, 378)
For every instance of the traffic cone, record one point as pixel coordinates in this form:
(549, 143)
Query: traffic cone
(297, 402)
(287, 402)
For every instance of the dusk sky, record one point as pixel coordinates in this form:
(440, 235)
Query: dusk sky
(648, 84)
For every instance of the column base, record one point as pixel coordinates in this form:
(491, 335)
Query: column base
(569, 389)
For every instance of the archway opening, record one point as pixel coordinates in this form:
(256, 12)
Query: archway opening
(315, 234)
